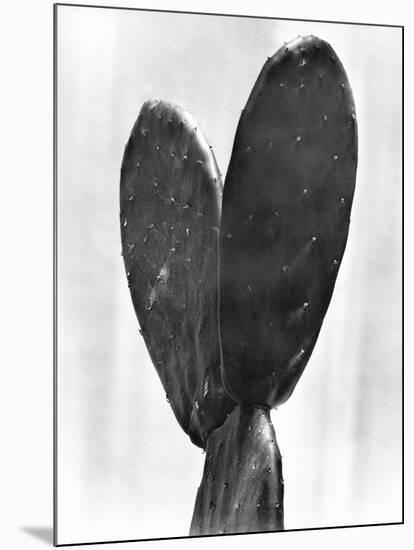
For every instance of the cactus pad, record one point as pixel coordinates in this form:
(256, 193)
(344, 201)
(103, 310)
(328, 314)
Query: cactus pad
(170, 201)
(242, 485)
(285, 218)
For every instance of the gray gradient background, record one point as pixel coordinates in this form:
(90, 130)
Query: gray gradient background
(125, 468)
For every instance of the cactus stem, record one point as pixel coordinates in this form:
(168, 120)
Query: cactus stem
(245, 489)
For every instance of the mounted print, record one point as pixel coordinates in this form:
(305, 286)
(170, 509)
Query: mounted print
(228, 274)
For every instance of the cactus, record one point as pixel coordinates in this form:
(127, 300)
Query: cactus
(230, 328)
(170, 199)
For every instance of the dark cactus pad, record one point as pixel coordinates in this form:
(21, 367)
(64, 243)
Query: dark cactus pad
(242, 486)
(286, 211)
(170, 198)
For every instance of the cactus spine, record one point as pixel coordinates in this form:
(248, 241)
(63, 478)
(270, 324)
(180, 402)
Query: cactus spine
(283, 230)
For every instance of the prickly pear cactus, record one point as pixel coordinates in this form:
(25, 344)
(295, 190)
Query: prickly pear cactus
(283, 230)
(286, 211)
(170, 199)
(242, 486)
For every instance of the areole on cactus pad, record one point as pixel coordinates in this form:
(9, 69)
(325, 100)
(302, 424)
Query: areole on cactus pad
(231, 291)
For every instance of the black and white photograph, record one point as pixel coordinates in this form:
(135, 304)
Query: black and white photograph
(228, 217)
(206, 247)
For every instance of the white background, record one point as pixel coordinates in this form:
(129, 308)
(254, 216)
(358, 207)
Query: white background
(26, 231)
